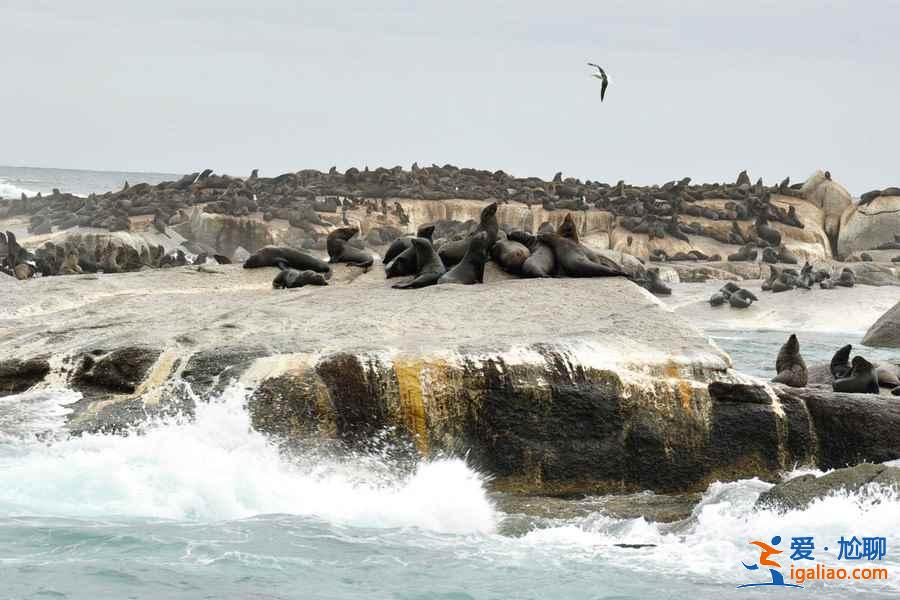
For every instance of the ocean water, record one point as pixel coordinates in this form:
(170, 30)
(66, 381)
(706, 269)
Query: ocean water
(14, 181)
(208, 508)
(754, 352)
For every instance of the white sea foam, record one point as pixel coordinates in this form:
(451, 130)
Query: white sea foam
(215, 467)
(715, 540)
(9, 190)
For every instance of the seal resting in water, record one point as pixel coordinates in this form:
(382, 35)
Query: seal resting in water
(340, 251)
(471, 268)
(789, 366)
(292, 278)
(431, 266)
(277, 256)
(861, 379)
(575, 261)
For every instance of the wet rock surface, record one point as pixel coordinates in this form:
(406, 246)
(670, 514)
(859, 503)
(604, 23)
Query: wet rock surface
(799, 492)
(559, 386)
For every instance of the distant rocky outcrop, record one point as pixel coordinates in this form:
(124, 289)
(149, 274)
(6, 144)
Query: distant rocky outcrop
(885, 331)
(872, 225)
(673, 222)
(829, 196)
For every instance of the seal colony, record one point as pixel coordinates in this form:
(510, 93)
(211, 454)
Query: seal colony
(459, 259)
(312, 201)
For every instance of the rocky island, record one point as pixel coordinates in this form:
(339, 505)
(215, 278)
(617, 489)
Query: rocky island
(552, 385)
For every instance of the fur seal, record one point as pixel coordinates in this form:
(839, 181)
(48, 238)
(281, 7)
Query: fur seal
(746, 253)
(789, 366)
(885, 373)
(340, 251)
(847, 278)
(292, 278)
(766, 233)
(510, 255)
(453, 252)
(861, 379)
(575, 261)
(406, 261)
(401, 244)
(724, 293)
(431, 268)
(471, 268)
(568, 229)
(541, 261)
(653, 284)
(276, 256)
(742, 298)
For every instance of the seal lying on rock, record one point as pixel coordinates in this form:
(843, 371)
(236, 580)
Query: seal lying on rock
(742, 298)
(653, 284)
(453, 252)
(885, 373)
(510, 255)
(840, 362)
(471, 268)
(276, 256)
(541, 261)
(766, 233)
(746, 253)
(340, 251)
(861, 379)
(722, 296)
(847, 278)
(292, 278)
(431, 266)
(789, 366)
(576, 261)
(402, 244)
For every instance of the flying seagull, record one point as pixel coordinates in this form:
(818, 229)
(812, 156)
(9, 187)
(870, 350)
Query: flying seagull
(601, 75)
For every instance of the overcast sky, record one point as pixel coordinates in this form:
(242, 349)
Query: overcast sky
(698, 88)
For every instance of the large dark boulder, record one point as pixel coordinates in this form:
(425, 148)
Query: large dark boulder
(16, 375)
(849, 428)
(116, 372)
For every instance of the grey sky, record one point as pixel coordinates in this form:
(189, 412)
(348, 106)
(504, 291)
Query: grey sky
(698, 88)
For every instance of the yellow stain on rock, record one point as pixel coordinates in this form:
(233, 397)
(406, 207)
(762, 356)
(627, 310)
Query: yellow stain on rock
(683, 388)
(412, 399)
(158, 375)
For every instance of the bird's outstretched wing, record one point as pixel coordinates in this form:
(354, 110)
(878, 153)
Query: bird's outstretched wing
(603, 88)
(599, 68)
